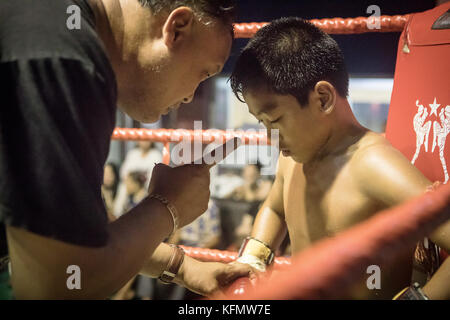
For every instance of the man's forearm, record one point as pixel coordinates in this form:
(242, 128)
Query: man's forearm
(269, 227)
(438, 288)
(39, 264)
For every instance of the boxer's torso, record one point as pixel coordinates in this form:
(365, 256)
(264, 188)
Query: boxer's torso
(323, 200)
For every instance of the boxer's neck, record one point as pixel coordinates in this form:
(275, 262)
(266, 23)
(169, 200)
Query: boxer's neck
(345, 132)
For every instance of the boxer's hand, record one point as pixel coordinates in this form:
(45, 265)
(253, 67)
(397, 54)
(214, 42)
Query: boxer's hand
(206, 278)
(186, 187)
(433, 186)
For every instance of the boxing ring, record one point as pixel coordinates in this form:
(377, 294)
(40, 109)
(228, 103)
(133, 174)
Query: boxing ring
(324, 269)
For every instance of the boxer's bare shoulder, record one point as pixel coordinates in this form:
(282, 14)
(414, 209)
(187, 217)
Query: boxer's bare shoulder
(383, 173)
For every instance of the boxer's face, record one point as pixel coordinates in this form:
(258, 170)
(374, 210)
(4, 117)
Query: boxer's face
(302, 129)
(168, 66)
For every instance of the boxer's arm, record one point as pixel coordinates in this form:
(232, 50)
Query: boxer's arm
(386, 175)
(270, 226)
(39, 264)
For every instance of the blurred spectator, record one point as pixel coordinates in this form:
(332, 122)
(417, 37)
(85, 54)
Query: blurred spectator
(250, 195)
(254, 188)
(109, 187)
(204, 232)
(136, 191)
(143, 159)
(135, 186)
(223, 184)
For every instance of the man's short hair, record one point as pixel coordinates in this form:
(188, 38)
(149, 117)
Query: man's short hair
(289, 56)
(222, 10)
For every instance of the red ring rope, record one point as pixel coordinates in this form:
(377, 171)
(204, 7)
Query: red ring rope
(332, 265)
(212, 255)
(177, 135)
(334, 26)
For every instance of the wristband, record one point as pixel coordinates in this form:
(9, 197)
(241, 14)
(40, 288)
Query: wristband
(173, 211)
(173, 266)
(413, 292)
(258, 249)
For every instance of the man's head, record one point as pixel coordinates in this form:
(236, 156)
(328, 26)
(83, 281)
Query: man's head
(145, 145)
(164, 49)
(291, 75)
(135, 182)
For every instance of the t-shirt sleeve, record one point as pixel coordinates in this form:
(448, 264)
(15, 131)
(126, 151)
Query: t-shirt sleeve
(56, 119)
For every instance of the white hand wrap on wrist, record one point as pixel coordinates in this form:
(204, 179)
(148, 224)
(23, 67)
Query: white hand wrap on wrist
(255, 253)
(253, 261)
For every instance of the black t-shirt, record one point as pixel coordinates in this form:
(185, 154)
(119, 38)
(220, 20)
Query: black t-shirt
(57, 113)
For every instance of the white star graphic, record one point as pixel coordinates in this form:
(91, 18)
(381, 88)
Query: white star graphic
(434, 107)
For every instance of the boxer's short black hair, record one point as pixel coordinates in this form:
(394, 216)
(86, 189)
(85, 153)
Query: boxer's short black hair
(222, 10)
(289, 56)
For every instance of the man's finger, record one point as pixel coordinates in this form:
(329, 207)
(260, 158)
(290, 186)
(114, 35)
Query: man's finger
(224, 151)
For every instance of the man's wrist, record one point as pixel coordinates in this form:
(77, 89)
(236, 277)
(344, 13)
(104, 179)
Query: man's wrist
(180, 277)
(170, 208)
(162, 211)
(173, 266)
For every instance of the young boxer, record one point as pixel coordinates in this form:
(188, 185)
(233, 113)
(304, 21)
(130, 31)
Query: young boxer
(333, 173)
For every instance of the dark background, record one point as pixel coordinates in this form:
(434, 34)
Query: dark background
(371, 54)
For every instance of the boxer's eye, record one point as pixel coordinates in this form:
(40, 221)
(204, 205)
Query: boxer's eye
(275, 121)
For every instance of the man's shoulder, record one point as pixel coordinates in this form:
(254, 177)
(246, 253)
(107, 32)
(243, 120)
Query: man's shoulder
(31, 30)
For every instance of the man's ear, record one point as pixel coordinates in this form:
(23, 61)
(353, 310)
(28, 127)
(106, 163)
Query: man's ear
(178, 26)
(326, 95)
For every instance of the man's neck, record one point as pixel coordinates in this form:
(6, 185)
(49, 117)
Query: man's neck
(109, 26)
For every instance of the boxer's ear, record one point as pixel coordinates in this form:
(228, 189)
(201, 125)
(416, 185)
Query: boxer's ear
(178, 26)
(326, 94)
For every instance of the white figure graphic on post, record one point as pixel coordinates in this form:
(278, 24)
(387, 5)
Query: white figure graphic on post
(441, 130)
(422, 130)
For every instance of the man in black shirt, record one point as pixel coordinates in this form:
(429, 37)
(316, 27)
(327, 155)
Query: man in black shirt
(60, 83)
